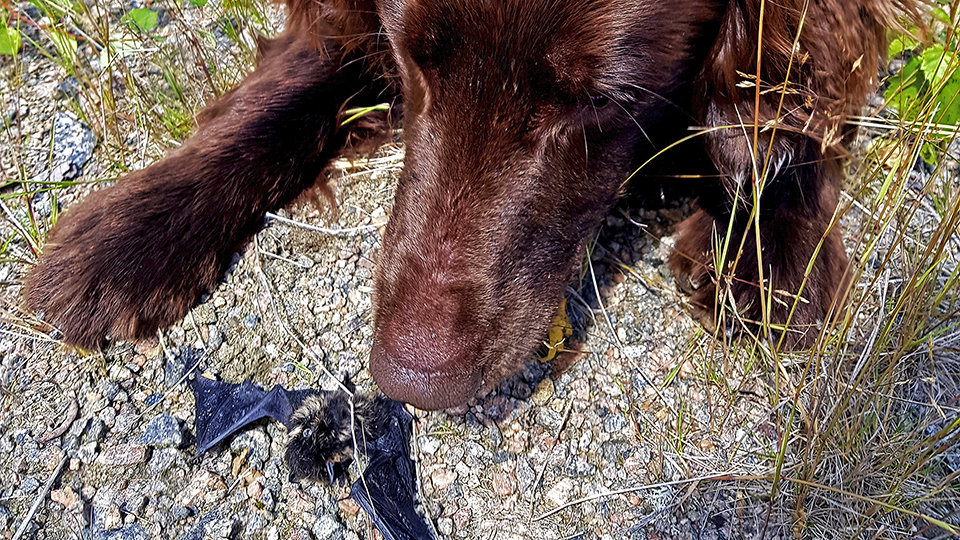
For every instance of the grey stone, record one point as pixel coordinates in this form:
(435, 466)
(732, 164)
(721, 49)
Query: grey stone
(327, 528)
(525, 475)
(110, 389)
(87, 452)
(455, 491)
(429, 445)
(110, 518)
(258, 443)
(73, 144)
(549, 419)
(69, 88)
(15, 111)
(176, 366)
(180, 512)
(213, 526)
(77, 427)
(108, 416)
(271, 474)
(162, 431)
(579, 466)
(29, 484)
(43, 203)
(6, 516)
(125, 420)
(269, 503)
(130, 532)
(161, 460)
(122, 455)
(254, 526)
(104, 497)
(616, 450)
(614, 423)
(445, 525)
(133, 500)
(97, 428)
(496, 437)
(214, 339)
(204, 314)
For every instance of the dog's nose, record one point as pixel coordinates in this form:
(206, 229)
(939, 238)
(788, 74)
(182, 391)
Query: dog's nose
(433, 379)
(426, 347)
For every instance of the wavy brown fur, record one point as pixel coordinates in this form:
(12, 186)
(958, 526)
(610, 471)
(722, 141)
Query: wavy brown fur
(521, 119)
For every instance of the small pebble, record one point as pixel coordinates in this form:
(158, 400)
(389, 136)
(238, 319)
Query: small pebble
(29, 484)
(162, 431)
(327, 528)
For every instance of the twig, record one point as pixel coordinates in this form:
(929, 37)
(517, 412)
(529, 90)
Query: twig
(418, 471)
(715, 476)
(546, 460)
(324, 230)
(20, 230)
(196, 329)
(40, 336)
(174, 385)
(616, 338)
(40, 497)
(265, 282)
(72, 413)
(284, 259)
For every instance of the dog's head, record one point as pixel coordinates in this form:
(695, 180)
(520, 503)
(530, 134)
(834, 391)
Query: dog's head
(521, 122)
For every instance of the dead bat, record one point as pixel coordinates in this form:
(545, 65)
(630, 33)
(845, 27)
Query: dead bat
(321, 430)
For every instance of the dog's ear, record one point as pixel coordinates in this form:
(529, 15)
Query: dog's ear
(817, 61)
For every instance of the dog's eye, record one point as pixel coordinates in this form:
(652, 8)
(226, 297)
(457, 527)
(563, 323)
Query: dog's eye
(599, 102)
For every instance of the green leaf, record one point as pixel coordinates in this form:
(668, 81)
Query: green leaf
(904, 88)
(900, 44)
(934, 63)
(122, 45)
(941, 15)
(948, 102)
(928, 152)
(55, 9)
(199, 3)
(66, 45)
(145, 18)
(9, 41)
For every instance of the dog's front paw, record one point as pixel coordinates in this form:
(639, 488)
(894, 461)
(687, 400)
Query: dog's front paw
(792, 302)
(692, 264)
(120, 265)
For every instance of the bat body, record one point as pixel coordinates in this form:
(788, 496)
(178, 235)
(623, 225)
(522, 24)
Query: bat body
(322, 431)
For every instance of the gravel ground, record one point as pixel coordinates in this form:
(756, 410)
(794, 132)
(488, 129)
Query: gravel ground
(617, 439)
(558, 432)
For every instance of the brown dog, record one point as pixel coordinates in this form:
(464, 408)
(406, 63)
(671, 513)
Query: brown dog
(522, 119)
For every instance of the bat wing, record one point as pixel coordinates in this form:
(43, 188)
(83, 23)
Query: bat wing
(385, 497)
(224, 408)
(386, 491)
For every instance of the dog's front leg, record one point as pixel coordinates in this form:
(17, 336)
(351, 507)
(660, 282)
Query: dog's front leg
(775, 100)
(135, 257)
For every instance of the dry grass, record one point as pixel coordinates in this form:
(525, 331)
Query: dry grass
(868, 420)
